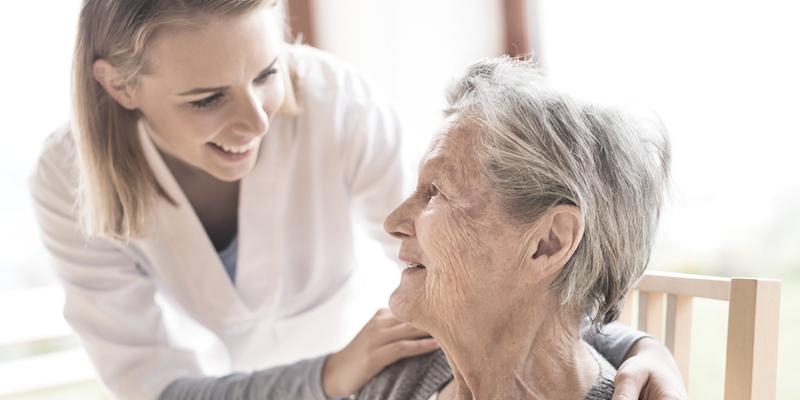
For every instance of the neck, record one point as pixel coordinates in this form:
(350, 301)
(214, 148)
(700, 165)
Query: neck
(183, 171)
(542, 357)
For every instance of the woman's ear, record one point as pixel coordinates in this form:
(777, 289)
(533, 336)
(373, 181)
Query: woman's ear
(558, 235)
(112, 82)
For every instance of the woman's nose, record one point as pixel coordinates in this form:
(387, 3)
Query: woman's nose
(399, 222)
(252, 116)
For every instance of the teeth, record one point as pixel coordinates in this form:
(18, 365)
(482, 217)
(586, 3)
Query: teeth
(236, 149)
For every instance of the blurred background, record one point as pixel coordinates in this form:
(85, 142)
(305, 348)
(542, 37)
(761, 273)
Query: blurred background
(722, 76)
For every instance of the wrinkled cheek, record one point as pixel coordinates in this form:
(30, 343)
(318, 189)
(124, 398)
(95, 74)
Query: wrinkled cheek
(452, 284)
(444, 295)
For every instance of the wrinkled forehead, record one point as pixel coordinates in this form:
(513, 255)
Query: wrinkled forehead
(454, 154)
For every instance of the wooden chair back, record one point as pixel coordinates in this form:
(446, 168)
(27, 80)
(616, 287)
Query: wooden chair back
(661, 305)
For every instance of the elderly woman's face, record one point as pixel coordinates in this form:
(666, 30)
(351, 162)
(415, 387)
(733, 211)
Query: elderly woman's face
(464, 256)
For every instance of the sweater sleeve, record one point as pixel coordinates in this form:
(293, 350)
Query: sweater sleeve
(300, 381)
(613, 341)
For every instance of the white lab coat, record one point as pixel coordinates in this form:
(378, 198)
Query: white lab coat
(340, 156)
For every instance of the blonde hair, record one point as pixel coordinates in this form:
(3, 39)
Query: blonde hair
(117, 186)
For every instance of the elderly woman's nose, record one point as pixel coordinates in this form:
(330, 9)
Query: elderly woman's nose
(398, 223)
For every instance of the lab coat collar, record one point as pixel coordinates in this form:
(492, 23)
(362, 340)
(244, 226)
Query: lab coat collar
(195, 269)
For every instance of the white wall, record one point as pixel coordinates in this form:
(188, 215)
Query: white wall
(36, 43)
(411, 49)
(723, 76)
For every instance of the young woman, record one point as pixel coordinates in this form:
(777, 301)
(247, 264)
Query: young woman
(212, 163)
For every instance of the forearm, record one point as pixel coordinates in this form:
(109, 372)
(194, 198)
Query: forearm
(301, 380)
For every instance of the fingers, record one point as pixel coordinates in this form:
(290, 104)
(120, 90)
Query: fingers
(382, 341)
(402, 331)
(384, 318)
(386, 328)
(394, 351)
(385, 323)
(649, 373)
(628, 386)
(388, 339)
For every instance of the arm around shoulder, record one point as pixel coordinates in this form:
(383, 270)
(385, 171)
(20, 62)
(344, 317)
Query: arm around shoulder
(645, 366)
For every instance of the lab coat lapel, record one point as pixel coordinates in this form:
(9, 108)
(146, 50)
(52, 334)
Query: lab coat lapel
(184, 256)
(261, 211)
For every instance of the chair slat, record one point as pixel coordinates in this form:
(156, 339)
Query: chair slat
(654, 321)
(709, 287)
(752, 354)
(629, 309)
(678, 332)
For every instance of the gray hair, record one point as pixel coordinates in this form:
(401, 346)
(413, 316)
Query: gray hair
(542, 148)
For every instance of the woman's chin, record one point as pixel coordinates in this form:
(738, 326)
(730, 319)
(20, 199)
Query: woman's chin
(408, 301)
(404, 306)
(229, 174)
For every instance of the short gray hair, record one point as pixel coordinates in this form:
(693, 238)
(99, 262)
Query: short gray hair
(542, 148)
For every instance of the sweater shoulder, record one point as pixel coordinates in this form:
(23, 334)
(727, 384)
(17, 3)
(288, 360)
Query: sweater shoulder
(414, 378)
(603, 388)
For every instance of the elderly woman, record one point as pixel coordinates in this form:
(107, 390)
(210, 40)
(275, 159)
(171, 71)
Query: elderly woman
(532, 211)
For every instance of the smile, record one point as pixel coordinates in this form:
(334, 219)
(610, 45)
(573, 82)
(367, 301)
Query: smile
(235, 149)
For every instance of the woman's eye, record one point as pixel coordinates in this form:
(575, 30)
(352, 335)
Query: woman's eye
(263, 77)
(207, 102)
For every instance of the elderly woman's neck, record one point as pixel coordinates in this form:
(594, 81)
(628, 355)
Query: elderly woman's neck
(535, 356)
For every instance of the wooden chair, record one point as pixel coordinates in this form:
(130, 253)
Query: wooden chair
(661, 305)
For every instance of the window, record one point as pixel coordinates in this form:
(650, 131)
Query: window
(723, 77)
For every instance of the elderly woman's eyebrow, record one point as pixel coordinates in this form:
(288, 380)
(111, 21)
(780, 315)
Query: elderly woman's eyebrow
(441, 171)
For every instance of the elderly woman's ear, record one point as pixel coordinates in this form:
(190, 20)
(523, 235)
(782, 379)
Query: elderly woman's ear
(556, 237)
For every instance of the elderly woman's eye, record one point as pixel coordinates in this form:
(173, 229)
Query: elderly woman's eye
(433, 191)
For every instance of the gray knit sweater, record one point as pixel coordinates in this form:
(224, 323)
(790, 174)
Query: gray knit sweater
(418, 378)
(303, 380)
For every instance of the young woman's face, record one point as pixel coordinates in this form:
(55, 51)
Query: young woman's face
(209, 94)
